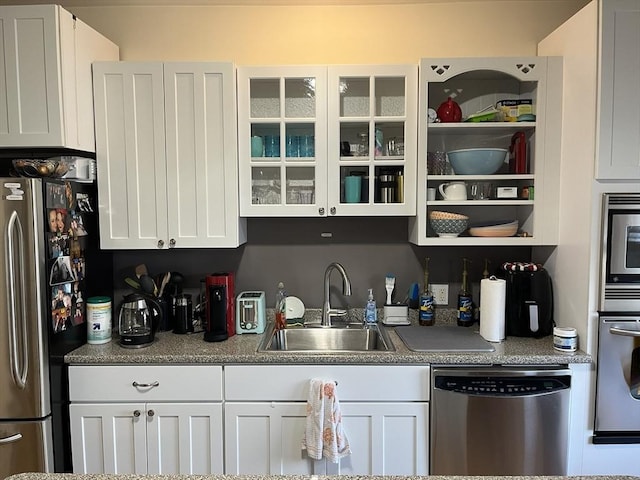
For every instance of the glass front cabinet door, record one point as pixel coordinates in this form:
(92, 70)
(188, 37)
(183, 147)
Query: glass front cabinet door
(372, 140)
(282, 135)
(327, 141)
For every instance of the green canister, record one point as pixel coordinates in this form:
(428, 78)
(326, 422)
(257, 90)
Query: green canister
(98, 320)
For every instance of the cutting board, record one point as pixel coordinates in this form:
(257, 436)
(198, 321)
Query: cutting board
(443, 339)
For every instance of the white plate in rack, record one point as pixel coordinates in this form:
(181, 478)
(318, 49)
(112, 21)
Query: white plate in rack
(294, 308)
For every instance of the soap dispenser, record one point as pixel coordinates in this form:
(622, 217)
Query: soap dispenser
(370, 312)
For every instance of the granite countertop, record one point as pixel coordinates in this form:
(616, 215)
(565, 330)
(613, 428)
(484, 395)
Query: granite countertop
(170, 348)
(69, 476)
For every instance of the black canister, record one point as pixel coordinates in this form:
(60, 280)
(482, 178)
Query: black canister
(166, 322)
(183, 322)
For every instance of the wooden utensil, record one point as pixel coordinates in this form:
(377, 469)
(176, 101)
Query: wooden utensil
(165, 279)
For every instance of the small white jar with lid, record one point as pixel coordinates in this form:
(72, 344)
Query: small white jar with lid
(565, 339)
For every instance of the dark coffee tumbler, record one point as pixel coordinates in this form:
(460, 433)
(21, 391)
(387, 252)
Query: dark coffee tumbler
(183, 314)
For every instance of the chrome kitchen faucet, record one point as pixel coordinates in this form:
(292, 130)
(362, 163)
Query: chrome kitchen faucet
(327, 311)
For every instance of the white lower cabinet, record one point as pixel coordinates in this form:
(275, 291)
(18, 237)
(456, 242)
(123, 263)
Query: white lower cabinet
(153, 438)
(385, 416)
(146, 420)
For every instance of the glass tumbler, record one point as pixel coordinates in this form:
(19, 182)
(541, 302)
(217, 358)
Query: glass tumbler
(271, 146)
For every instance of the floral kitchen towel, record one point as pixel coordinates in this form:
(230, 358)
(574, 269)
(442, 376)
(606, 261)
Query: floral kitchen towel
(324, 433)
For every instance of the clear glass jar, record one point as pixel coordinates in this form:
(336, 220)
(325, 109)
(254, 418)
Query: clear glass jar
(363, 145)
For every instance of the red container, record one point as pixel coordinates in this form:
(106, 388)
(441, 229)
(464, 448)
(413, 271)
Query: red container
(518, 153)
(449, 111)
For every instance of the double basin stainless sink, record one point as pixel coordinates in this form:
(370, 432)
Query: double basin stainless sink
(345, 338)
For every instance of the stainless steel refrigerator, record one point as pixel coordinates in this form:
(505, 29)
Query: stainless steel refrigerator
(48, 245)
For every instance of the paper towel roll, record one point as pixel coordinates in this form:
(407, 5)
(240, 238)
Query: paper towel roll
(493, 296)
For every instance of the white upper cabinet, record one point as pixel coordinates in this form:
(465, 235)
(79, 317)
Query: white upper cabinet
(327, 141)
(528, 195)
(372, 140)
(166, 155)
(619, 106)
(282, 141)
(46, 97)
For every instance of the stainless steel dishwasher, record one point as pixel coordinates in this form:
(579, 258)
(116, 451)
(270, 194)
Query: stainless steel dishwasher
(499, 420)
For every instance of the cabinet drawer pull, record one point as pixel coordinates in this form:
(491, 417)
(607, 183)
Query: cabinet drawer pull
(146, 385)
(136, 413)
(151, 413)
(11, 439)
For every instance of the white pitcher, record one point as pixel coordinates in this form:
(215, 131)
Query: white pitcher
(453, 191)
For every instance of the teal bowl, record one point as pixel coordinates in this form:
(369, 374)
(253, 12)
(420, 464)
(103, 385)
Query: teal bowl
(477, 161)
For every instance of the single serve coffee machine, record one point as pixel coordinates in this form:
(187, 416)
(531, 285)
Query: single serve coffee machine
(220, 320)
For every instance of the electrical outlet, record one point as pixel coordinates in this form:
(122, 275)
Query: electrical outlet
(440, 293)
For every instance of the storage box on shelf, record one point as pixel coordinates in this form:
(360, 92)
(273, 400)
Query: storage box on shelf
(319, 141)
(523, 191)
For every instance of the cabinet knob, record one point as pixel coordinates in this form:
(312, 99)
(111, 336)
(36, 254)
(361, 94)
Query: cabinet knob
(151, 413)
(136, 413)
(332, 210)
(172, 243)
(160, 243)
(321, 210)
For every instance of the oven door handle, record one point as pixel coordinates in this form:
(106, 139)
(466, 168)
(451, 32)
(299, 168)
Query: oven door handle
(624, 332)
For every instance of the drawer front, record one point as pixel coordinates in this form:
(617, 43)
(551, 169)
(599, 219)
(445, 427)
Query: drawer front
(153, 383)
(355, 383)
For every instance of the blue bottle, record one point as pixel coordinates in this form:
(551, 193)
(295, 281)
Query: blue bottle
(370, 312)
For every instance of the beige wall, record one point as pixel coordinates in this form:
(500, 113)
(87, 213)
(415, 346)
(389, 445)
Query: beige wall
(329, 34)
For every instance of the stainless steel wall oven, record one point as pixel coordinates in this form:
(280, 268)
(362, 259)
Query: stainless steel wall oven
(617, 409)
(617, 418)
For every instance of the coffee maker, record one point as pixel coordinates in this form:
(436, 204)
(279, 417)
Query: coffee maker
(220, 320)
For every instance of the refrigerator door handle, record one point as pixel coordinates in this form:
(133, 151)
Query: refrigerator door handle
(11, 439)
(19, 369)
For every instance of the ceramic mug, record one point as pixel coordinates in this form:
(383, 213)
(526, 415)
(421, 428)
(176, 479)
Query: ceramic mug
(453, 191)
